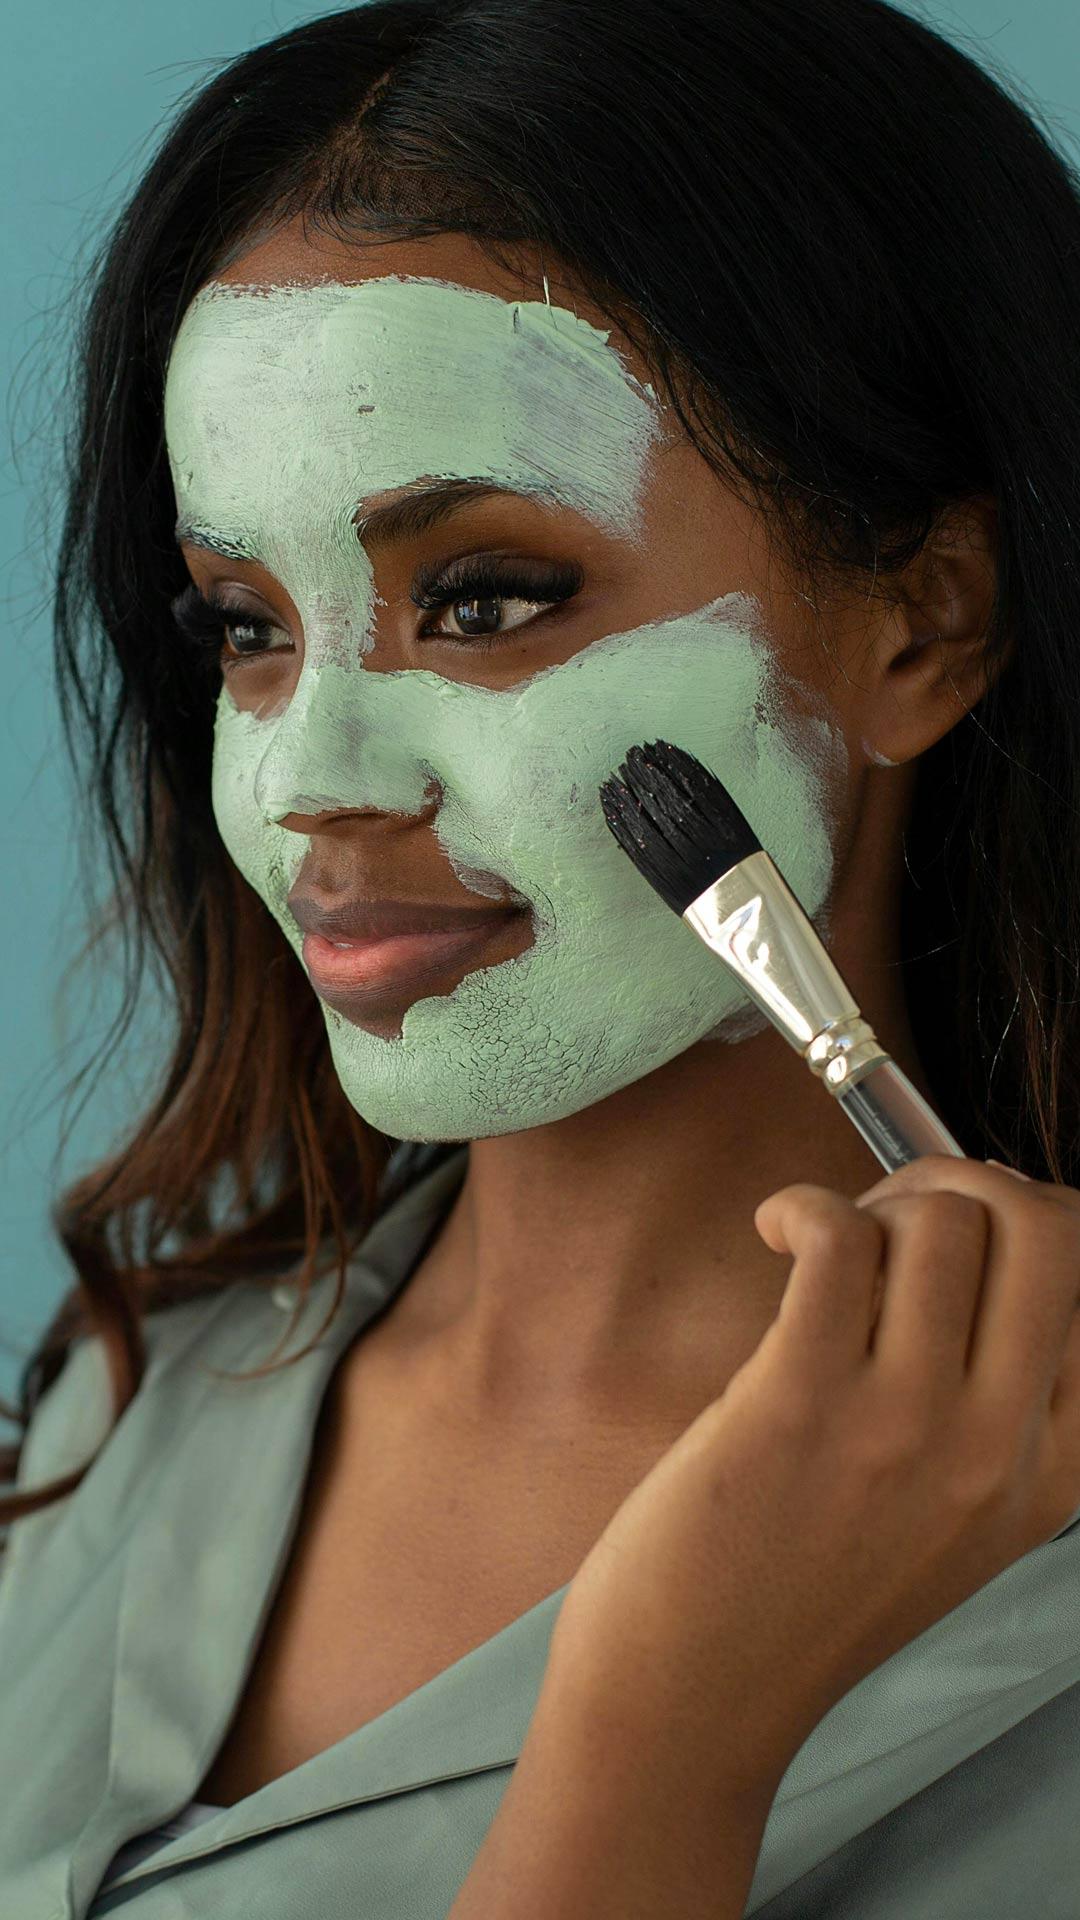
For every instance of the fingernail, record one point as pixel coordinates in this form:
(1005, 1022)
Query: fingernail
(1015, 1171)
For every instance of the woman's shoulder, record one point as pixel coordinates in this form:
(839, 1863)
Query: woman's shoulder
(73, 1418)
(72, 1415)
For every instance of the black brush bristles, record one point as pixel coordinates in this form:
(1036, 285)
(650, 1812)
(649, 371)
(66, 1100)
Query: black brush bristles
(676, 820)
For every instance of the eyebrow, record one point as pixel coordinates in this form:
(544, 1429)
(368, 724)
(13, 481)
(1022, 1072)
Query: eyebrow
(403, 518)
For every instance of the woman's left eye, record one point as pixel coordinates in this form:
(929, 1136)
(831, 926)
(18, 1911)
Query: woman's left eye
(477, 594)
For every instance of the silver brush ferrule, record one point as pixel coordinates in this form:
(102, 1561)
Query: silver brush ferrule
(752, 920)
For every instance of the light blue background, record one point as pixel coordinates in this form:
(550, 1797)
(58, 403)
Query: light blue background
(85, 91)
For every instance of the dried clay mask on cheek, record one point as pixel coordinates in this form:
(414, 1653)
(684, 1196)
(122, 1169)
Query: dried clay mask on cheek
(285, 407)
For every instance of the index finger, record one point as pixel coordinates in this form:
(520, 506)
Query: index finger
(982, 1179)
(925, 1175)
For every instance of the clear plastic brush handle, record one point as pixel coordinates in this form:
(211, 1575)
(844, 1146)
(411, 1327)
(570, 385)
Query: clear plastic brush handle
(894, 1119)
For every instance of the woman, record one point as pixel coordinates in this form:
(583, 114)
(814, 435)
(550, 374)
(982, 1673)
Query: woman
(471, 389)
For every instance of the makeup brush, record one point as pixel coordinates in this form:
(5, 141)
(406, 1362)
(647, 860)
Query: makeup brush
(688, 839)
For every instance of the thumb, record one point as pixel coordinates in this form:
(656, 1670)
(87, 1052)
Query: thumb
(770, 1218)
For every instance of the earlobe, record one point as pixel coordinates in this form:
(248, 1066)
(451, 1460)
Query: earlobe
(878, 759)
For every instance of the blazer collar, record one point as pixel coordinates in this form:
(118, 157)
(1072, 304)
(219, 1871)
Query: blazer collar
(939, 1700)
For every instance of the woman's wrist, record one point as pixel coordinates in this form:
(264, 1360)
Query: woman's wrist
(609, 1816)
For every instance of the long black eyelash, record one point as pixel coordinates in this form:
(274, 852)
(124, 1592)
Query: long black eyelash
(494, 576)
(201, 618)
(205, 620)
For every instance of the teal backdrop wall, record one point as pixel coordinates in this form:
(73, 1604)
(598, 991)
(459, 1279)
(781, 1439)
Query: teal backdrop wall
(83, 92)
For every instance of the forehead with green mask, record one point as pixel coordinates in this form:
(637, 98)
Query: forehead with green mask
(287, 408)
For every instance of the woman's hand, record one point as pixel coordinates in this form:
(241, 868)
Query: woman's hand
(908, 1427)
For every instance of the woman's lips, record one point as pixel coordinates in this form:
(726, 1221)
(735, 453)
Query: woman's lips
(371, 977)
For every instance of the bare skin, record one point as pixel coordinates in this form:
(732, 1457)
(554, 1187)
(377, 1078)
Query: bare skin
(599, 1279)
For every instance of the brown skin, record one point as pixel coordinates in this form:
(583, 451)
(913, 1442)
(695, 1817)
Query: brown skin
(908, 1429)
(601, 1275)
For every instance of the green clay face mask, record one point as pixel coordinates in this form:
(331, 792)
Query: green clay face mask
(285, 408)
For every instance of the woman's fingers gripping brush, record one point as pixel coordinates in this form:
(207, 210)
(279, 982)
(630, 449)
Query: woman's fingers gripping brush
(908, 1427)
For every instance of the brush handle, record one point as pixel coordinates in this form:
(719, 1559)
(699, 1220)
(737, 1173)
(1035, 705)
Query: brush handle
(753, 922)
(894, 1119)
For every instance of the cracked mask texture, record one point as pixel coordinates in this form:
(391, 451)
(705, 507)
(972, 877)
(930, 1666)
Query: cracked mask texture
(284, 408)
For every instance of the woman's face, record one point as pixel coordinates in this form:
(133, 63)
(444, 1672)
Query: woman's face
(367, 748)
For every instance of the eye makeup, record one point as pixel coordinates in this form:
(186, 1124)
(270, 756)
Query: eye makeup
(489, 576)
(483, 580)
(209, 624)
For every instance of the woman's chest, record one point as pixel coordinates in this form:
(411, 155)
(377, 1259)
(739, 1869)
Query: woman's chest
(413, 1547)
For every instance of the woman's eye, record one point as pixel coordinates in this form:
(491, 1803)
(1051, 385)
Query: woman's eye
(479, 599)
(477, 618)
(250, 640)
(476, 602)
(222, 635)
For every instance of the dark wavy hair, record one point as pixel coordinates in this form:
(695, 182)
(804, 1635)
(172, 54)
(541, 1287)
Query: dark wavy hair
(851, 258)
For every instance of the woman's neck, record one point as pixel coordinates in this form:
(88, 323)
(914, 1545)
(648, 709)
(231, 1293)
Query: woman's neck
(607, 1264)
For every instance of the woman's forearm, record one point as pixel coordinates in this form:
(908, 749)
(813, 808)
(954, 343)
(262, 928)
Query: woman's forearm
(615, 1822)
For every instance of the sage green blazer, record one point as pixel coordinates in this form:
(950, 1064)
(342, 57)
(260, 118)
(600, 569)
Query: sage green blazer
(945, 1785)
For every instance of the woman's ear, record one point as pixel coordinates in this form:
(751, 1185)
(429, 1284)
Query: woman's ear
(932, 648)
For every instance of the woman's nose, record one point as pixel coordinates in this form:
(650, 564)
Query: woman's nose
(330, 752)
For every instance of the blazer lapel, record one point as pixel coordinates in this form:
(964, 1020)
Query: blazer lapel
(208, 1531)
(470, 1718)
(1003, 1653)
(971, 1677)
